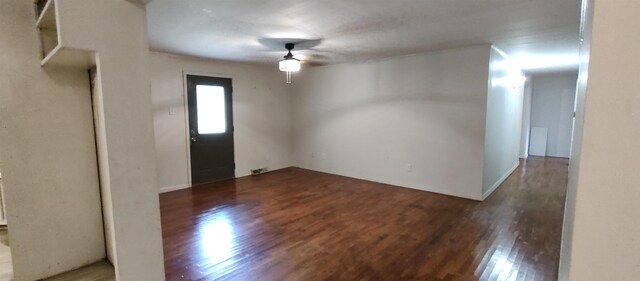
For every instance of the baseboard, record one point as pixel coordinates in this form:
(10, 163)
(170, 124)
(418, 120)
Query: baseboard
(557, 157)
(244, 175)
(174, 188)
(500, 181)
(186, 185)
(395, 184)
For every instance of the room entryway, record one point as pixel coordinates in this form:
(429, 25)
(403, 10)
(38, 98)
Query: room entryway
(6, 266)
(552, 104)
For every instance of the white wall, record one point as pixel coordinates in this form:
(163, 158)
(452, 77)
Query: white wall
(552, 104)
(261, 109)
(103, 163)
(414, 121)
(122, 51)
(601, 233)
(526, 119)
(41, 130)
(503, 122)
(48, 153)
(566, 249)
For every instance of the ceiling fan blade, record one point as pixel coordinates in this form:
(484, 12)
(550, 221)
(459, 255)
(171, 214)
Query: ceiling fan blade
(300, 43)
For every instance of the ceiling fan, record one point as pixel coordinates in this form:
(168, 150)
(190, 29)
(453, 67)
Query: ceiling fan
(290, 62)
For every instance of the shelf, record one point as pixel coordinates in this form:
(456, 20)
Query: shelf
(39, 6)
(67, 57)
(47, 18)
(48, 28)
(54, 53)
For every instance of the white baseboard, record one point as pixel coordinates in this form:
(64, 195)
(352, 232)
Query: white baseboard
(396, 183)
(500, 181)
(174, 188)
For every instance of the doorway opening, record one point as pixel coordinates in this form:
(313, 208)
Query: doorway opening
(550, 103)
(6, 265)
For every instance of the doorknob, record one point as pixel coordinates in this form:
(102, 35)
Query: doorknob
(193, 139)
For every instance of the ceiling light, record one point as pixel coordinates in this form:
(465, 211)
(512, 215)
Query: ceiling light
(289, 63)
(547, 62)
(513, 81)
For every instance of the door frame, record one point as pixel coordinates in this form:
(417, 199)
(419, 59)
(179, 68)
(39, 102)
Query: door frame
(185, 101)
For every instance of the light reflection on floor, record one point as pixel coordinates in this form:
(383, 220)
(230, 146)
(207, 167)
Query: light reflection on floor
(504, 268)
(217, 240)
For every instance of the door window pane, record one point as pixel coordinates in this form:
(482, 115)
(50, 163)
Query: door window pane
(211, 109)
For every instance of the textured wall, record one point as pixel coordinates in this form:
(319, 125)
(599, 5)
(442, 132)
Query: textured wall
(42, 126)
(504, 122)
(601, 234)
(47, 155)
(261, 109)
(415, 121)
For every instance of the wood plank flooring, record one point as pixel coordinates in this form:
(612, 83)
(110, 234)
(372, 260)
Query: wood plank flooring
(296, 224)
(100, 271)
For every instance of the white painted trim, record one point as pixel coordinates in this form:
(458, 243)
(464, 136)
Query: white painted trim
(207, 74)
(174, 188)
(3, 209)
(500, 181)
(431, 189)
(186, 125)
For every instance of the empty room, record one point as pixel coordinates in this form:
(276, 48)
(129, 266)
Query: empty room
(150, 140)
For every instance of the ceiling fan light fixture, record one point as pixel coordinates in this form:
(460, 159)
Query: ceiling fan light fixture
(292, 65)
(289, 63)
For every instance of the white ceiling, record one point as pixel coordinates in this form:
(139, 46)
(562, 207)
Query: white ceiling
(541, 34)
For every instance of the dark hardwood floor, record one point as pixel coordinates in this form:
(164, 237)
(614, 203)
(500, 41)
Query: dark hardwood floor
(296, 224)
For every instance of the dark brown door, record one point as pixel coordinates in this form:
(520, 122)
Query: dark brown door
(211, 128)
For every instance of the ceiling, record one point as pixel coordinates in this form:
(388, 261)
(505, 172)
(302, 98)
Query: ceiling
(542, 35)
